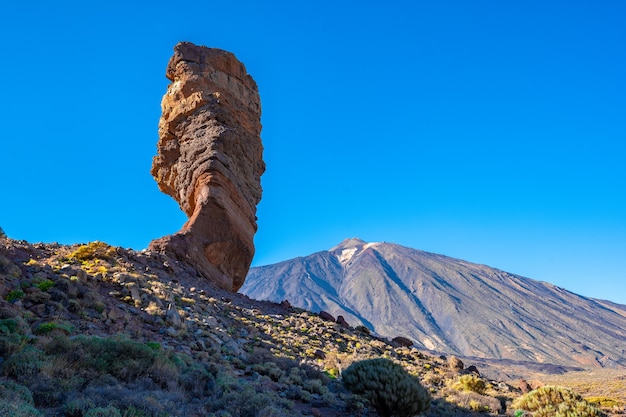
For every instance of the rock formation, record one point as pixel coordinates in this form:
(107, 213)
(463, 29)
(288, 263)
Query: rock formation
(210, 161)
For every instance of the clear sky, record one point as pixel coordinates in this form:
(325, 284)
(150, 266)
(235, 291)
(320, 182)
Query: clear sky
(491, 131)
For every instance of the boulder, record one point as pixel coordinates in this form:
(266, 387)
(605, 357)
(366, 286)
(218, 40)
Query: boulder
(342, 322)
(210, 161)
(524, 386)
(455, 363)
(472, 369)
(402, 341)
(326, 316)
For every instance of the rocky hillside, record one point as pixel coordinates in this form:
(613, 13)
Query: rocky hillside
(92, 330)
(448, 305)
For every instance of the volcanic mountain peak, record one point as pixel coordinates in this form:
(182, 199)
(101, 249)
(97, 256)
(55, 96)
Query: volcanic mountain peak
(448, 305)
(352, 242)
(347, 249)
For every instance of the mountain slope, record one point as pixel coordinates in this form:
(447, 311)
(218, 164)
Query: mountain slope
(448, 305)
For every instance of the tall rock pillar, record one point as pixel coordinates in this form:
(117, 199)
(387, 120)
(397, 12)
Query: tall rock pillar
(210, 160)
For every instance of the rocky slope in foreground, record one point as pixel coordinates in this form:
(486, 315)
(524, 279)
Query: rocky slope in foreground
(449, 305)
(90, 330)
(93, 330)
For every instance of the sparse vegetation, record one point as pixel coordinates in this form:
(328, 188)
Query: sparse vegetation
(15, 295)
(92, 330)
(93, 250)
(16, 400)
(45, 285)
(48, 327)
(550, 401)
(8, 268)
(471, 383)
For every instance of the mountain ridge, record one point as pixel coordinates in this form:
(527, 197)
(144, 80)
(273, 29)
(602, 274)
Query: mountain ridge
(448, 305)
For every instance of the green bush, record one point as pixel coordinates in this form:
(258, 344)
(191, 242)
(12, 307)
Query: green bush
(44, 328)
(8, 326)
(122, 358)
(45, 285)
(94, 250)
(15, 409)
(23, 363)
(388, 386)
(246, 401)
(10, 390)
(15, 295)
(552, 401)
(77, 407)
(2, 234)
(471, 383)
(16, 400)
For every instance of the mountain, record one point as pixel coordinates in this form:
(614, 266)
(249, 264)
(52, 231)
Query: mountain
(448, 305)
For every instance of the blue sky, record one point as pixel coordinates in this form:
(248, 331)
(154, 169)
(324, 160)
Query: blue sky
(488, 131)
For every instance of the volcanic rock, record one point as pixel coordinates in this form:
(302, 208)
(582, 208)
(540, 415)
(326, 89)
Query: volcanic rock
(342, 321)
(402, 341)
(210, 161)
(326, 316)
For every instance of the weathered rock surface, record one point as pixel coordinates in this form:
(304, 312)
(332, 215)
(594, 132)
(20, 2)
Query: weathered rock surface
(210, 161)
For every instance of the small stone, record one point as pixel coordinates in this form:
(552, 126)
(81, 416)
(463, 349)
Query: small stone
(134, 293)
(172, 317)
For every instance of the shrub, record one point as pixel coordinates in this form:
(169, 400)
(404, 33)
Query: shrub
(93, 250)
(471, 383)
(45, 285)
(12, 337)
(2, 234)
(16, 400)
(333, 373)
(8, 326)
(122, 358)
(197, 381)
(388, 386)
(77, 407)
(579, 409)
(474, 401)
(9, 268)
(23, 363)
(246, 401)
(14, 295)
(10, 390)
(13, 409)
(556, 402)
(48, 327)
(602, 402)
